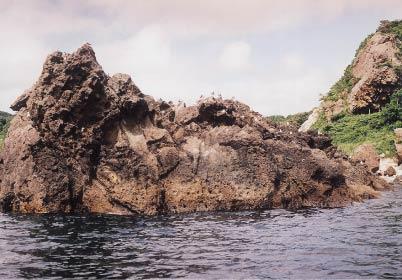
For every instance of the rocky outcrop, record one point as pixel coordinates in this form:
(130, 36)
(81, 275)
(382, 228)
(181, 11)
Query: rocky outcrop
(375, 68)
(369, 81)
(311, 120)
(366, 153)
(390, 171)
(82, 141)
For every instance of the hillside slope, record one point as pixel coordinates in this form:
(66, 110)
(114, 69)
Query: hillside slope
(364, 106)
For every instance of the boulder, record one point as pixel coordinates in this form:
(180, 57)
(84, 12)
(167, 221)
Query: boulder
(367, 154)
(398, 180)
(311, 120)
(86, 142)
(374, 69)
(390, 171)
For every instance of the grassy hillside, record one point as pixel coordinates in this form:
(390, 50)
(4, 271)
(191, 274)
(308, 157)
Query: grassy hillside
(295, 120)
(349, 131)
(5, 119)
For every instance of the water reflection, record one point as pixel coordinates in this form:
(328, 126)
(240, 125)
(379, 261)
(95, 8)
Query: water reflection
(354, 242)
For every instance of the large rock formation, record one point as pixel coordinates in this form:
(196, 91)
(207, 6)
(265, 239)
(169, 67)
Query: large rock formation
(376, 72)
(86, 142)
(369, 81)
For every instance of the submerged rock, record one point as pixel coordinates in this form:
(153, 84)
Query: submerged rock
(86, 142)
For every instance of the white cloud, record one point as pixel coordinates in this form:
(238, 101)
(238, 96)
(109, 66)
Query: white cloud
(229, 17)
(180, 49)
(235, 56)
(147, 50)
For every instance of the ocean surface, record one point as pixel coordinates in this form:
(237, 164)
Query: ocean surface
(360, 241)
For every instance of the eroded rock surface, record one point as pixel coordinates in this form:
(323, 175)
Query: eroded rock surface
(369, 81)
(86, 142)
(375, 69)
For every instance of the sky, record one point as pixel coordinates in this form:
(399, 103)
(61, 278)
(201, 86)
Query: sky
(276, 56)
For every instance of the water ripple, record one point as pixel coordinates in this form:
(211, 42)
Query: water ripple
(361, 241)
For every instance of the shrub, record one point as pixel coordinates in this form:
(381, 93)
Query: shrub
(353, 130)
(394, 27)
(349, 131)
(363, 44)
(5, 119)
(392, 112)
(345, 84)
(294, 120)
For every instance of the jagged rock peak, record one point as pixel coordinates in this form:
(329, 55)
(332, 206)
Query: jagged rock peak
(86, 142)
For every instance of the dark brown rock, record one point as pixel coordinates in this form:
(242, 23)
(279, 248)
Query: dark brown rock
(86, 142)
(20, 102)
(390, 171)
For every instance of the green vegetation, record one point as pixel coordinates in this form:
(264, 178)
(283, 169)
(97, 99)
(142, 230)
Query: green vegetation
(294, 120)
(5, 119)
(353, 130)
(347, 81)
(363, 44)
(344, 85)
(349, 131)
(394, 27)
